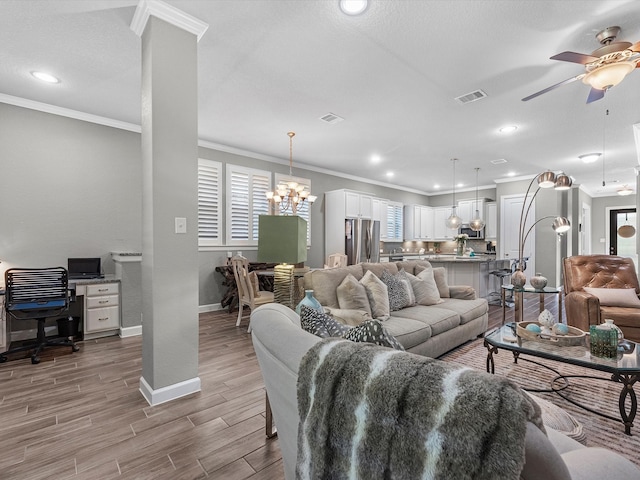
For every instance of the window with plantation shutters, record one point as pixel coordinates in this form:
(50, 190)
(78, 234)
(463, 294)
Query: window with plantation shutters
(209, 203)
(303, 210)
(394, 221)
(246, 201)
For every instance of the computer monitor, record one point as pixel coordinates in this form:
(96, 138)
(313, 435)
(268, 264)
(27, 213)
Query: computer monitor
(80, 268)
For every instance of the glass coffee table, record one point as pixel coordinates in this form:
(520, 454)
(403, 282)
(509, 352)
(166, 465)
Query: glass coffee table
(624, 369)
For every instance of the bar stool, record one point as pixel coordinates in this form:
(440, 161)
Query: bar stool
(495, 296)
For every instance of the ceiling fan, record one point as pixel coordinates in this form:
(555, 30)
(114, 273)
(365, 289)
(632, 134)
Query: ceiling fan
(604, 68)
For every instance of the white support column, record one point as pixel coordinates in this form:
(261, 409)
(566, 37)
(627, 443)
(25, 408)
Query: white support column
(169, 201)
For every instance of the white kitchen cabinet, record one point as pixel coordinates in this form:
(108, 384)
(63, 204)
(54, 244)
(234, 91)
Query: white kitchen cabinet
(418, 223)
(379, 210)
(467, 209)
(440, 230)
(491, 221)
(358, 205)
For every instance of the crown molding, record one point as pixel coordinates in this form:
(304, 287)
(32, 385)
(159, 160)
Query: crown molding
(69, 113)
(169, 14)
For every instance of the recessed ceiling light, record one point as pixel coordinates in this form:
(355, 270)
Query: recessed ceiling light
(508, 129)
(353, 7)
(45, 77)
(375, 159)
(436, 186)
(511, 174)
(460, 184)
(389, 174)
(589, 157)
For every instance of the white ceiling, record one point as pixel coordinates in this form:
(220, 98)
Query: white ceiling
(270, 66)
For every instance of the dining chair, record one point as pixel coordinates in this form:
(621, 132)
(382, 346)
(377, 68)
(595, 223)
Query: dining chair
(337, 260)
(248, 287)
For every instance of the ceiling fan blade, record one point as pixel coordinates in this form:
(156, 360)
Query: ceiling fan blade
(574, 57)
(635, 47)
(553, 87)
(595, 94)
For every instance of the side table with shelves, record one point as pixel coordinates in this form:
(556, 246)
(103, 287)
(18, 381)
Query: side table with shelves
(518, 294)
(101, 307)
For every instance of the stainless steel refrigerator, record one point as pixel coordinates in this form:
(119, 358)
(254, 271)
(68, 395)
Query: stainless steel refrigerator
(361, 240)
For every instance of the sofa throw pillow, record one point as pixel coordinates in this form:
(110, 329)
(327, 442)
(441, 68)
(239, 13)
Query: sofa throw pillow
(398, 295)
(352, 295)
(404, 276)
(615, 297)
(349, 317)
(253, 281)
(378, 295)
(440, 276)
(425, 288)
(372, 331)
(320, 323)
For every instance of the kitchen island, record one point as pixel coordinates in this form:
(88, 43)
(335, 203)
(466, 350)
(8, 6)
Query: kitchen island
(465, 270)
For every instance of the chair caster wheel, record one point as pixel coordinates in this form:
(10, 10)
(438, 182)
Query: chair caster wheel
(35, 359)
(3, 359)
(75, 348)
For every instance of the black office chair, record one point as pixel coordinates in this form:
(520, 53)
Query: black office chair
(37, 293)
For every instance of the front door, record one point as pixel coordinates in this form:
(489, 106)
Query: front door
(622, 239)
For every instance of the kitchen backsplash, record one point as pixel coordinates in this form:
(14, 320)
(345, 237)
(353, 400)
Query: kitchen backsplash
(479, 246)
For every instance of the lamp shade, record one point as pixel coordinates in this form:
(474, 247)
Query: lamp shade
(561, 224)
(282, 239)
(608, 75)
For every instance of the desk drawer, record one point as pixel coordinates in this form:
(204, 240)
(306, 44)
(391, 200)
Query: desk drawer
(102, 289)
(106, 301)
(106, 318)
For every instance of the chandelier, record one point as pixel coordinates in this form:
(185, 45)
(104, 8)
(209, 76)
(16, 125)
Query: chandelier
(290, 196)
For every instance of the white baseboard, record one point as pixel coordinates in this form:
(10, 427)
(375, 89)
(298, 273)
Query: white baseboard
(170, 392)
(130, 331)
(212, 307)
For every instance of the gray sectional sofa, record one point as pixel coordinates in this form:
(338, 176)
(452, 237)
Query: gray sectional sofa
(280, 344)
(429, 330)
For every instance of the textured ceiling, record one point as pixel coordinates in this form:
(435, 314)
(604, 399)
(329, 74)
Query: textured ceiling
(270, 66)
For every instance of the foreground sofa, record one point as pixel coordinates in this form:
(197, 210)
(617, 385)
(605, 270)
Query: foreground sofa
(428, 330)
(598, 287)
(280, 344)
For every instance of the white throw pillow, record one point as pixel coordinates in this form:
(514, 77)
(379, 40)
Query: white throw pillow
(352, 295)
(378, 295)
(615, 297)
(425, 288)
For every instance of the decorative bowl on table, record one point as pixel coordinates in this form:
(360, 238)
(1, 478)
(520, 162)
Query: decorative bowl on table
(527, 330)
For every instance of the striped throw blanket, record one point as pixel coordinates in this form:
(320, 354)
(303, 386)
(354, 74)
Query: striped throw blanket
(368, 412)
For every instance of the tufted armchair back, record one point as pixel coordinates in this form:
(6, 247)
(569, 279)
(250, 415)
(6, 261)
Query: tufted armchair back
(599, 271)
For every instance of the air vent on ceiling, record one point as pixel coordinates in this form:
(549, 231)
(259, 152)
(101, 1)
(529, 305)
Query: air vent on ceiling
(331, 118)
(471, 97)
(498, 161)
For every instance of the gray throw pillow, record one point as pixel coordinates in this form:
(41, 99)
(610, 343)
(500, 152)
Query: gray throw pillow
(403, 275)
(372, 331)
(399, 297)
(425, 288)
(352, 295)
(440, 276)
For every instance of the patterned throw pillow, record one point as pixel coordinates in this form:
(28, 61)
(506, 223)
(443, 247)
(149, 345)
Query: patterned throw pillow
(372, 331)
(403, 275)
(398, 295)
(321, 324)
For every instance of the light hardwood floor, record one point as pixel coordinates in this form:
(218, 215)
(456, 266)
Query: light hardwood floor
(81, 415)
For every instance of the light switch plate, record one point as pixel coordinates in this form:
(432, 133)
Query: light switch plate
(181, 225)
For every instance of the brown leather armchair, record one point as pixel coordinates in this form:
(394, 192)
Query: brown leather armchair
(600, 271)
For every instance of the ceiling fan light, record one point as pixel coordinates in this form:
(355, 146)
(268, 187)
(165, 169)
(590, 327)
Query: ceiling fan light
(547, 179)
(589, 157)
(624, 191)
(608, 75)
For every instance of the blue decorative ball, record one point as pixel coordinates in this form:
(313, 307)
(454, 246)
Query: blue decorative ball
(532, 327)
(560, 329)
